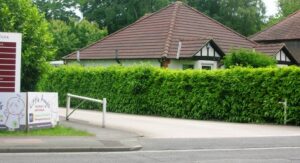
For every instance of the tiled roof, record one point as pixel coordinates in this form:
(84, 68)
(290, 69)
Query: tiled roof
(287, 29)
(273, 49)
(157, 35)
(270, 49)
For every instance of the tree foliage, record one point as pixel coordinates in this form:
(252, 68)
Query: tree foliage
(58, 9)
(244, 16)
(70, 36)
(288, 7)
(115, 14)
(23, 17)
(247, 58)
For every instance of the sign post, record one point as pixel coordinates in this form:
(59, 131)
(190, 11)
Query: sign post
(10, 62)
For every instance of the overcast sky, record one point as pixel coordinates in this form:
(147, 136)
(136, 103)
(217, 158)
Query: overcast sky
(271, 6)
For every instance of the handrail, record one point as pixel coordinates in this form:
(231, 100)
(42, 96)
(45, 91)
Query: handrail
(103, 102)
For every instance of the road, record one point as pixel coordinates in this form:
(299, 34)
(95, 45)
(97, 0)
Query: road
(159, 127)
(182, 141)
(225, 150)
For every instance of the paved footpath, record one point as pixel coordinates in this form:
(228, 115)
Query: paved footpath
(158, 127)
(104, 140)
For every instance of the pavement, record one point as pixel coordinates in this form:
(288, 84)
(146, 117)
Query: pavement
(104, 140)
(126, 132)
(172, 128)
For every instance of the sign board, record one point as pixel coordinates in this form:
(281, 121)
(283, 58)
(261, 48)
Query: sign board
(42, 110)
(12, 111)
(10, 62)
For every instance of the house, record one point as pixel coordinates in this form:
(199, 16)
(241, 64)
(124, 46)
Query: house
(287, 31)
(177, 37)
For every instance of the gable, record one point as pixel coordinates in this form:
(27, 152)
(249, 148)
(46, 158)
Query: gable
(207, 51)
(282, 57)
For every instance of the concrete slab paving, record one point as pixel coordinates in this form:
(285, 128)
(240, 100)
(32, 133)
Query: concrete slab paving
(105, 140)
(159, 127)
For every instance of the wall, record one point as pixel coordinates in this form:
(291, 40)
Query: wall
(106, 63)
(178, 64)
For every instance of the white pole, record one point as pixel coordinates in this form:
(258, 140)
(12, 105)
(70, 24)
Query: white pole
(285, 111)
(68, 106)
(103, 112)
(27, 123)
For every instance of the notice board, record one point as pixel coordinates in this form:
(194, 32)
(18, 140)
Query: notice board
(10, 62)
(41, 108)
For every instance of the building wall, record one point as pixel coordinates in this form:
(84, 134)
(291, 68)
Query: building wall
(106, 63)
(174, 63)
(197, 64)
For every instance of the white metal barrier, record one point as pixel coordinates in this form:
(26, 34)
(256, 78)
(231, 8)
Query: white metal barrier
(103, 102)
(284, 103)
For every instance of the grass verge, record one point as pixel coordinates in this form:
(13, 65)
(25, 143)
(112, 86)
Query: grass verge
(56, 131)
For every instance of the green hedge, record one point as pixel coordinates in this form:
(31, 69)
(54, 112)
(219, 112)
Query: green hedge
(248, 58)
(237, 95)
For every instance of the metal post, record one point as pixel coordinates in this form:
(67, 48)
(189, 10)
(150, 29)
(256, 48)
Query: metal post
(27, 117)
(103, 112)
(68, 106)
(285, 111)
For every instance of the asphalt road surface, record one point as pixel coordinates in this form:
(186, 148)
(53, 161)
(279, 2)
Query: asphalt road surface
(249, 150)
(160, 127)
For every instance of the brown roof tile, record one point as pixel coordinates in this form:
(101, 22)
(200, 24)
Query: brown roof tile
(287, 29)
(270, 49)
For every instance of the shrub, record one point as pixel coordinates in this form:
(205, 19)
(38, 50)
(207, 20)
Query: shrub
(237, 95)
(247, 58)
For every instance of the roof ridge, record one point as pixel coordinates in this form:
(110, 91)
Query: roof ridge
(118, 31)
(283, 20)
(171, 28)
(215, 21)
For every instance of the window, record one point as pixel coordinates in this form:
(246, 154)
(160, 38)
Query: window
(206, 66)
(185, 67)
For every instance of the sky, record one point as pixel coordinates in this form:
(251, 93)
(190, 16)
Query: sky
(271, 7)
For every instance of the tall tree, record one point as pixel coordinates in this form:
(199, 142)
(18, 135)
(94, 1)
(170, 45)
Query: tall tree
(69, 37)
(244, 16)
(58, 9)
(115, 14)
(23, 17)
(288, 7)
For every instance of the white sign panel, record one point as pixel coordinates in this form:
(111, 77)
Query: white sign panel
(10, 61)
(42, 109)
(12, 111)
